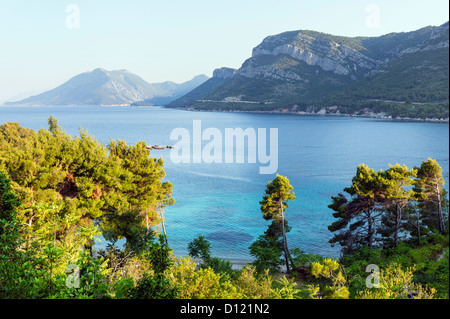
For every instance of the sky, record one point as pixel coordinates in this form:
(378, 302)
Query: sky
(45, 43)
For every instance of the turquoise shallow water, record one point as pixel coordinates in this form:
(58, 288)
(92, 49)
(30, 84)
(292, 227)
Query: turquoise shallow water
(221, 201)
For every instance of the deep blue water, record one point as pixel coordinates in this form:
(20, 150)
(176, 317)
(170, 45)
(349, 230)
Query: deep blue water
(221, 201)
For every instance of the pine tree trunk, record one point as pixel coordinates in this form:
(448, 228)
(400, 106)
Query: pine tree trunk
(164, 231)
(369, 230)
(418, 233)
(440, 217)
(162, 223)
(286, 251)
(397, 224)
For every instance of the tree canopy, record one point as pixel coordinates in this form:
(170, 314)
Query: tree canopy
(381, 205)
(117, 187)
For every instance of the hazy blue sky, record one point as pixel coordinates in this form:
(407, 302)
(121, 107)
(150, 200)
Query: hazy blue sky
(41, 45)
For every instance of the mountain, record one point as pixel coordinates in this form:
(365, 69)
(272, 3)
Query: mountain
(169, 91)
(102, 87)
(398, 74)
(220, 76)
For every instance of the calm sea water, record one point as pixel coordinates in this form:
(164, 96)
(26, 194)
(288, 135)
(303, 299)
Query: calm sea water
(221, 201)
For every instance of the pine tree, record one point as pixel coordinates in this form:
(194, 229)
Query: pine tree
(396, 182)
(358, 218)
(118, 187)
(430, 194)
(268, 248)
(274, 204)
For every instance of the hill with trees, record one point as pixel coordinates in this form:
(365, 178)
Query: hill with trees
(395, 75)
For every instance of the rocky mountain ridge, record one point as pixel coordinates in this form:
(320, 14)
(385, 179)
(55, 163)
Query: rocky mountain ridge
(295, 70)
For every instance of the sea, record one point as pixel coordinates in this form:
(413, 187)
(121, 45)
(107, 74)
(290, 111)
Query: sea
(221, 199)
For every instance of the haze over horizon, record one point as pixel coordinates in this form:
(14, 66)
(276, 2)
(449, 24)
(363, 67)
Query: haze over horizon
(45, 45)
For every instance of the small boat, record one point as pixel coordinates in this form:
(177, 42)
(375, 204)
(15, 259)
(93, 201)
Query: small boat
(157, 147)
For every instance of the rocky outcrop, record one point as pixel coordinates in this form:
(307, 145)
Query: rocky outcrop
(354, 57)
(327, 55)
(224, 73)
(270, 72)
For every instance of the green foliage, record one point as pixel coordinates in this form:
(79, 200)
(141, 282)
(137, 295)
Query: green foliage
(334, 272)
(268, 248)
(273, 206)
(200, 248)
(201, 283)
(385, 203)
(430, 194)
(118, 187)
(256, 286)
(12, 262)
(300, 258)
(358, 217)
(400, 221)
(57, 194)
(9, 225)
(152, 287)
(267, 253)
(427, 260)
(278, 192)
(159, 255)
(221, 266)
(123, 288)
(92, 280)
(436, 275)
(396, 283)
(61, 193)
(286, 288)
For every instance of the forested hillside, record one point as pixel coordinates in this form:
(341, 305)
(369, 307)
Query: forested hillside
(397, 75)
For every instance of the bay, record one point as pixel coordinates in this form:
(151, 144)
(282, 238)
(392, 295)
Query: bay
(318, 154)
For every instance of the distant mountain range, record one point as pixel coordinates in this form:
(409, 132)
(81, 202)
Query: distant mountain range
(397, 75)
(307, 72)
(120, 87)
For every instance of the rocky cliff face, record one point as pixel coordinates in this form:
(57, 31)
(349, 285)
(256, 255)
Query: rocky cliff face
(438, 39)
(224, 73)
(299, 69)
(341, 55)
(329, 56)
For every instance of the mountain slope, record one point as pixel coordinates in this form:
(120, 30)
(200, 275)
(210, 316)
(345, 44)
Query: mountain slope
(170, 91)
(220, 76)
(102, 87)
(305, 70)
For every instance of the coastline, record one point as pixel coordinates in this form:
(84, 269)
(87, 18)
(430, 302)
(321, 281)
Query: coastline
(322, 112)
(371, 115)
(237, 264)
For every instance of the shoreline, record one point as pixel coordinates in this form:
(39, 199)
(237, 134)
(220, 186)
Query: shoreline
(379, 116)
(322, 112)
(237, 264)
